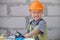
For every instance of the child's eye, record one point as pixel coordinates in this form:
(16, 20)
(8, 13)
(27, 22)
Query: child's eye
(34, 12)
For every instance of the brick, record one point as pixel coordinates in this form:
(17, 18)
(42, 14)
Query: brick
(3, 10)
(14, 22)
(21, 31)
(53, 1)
(20, 10)
(23, 1)
(52, 22)
(53, 34)
(53, 10)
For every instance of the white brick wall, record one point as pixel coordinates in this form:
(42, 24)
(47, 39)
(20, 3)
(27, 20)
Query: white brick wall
(3, 10)
(53, 10)
(23, 31)
(53, 1)
(21, 10)
(53, 34)
(14, 22)
(52, 22)
(23, 1)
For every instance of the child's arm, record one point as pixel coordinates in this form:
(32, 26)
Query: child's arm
(38, 29)
(34, 32)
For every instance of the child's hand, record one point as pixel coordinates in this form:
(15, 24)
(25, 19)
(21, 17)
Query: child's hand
(32, 33)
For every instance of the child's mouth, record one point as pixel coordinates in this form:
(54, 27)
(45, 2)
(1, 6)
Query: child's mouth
(36, 16)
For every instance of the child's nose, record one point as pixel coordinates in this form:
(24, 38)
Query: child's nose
(36, 14)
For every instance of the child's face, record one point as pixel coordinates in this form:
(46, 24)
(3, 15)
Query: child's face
(36, 14)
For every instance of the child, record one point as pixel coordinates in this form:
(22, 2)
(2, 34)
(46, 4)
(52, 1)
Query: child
(37, 27)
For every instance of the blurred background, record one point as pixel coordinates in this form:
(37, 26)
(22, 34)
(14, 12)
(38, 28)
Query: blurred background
(14, 16)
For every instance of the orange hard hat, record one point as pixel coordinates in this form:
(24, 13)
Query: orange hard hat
(36, 5)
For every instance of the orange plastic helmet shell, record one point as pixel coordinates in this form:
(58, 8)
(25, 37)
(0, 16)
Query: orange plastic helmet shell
(36, 5)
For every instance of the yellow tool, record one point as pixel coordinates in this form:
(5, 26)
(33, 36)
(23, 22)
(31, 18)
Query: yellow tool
(2, 37)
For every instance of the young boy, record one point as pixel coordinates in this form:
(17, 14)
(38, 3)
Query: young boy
(37, 27)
